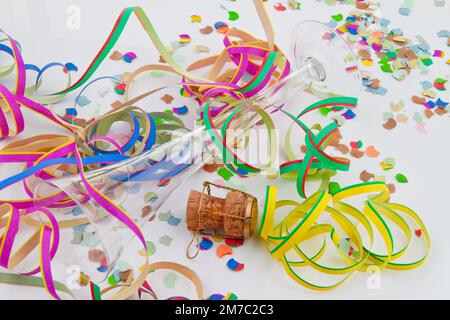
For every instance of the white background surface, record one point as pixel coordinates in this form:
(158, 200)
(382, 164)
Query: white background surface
(40, 26)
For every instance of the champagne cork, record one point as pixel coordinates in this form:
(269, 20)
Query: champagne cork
(234, 216)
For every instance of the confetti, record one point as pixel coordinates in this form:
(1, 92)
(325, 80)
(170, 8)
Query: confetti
(372, 152)
(167, 98)
(231, 296)
(391, 187)
(349, 114)
(145, 211)
(70, 67)
(429, 93)
(150, 196)
(206, 30)
(115, 56)
(170, 280)
(233, 15)
(333, 187)
(96, 255)
(366, 176)
(342, 148)
(201, 48)
(234, 242)
(120, 89)
(385, 166)
(356, 144)
(90, 239)
(234, 265)
(129, 57)
(205, 244)
(418, 100)
(439, 84)
(279, 7)
(83, 280)
(396, 107)
(294, 5)
(225, 174)
(404, 11)
(83, 101)
(71, 112)
(428, 113)
(165, 216)
(338, 18)
(102, 269)
(163, 182)
(184, 38)
(114, 278)
(150, 249)
(356, 153)
(165, 240)
(221, 27)
(223, 250)
(397, 54)
(77, 237)
(174, 221)
(402, 118)
(196, 18)
(438, 54)
(418, 117)
(401, 178)
(180, 110)
(443, 34)
(390, 161)
(440, 111)
(420, 127)
(390, 124)
(442, 104)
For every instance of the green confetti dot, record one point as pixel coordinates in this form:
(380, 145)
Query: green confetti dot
(334, 187)
(112, 280)
(418, 117)
(150, 248)
(233, 15)
(150, 197)
(391, 55)
(386, 68)
(324, 111)
(225, 174)
(337, 17)
(165, 216)
(231, 296)
(390, 161)
(441, 80)
(165, 240)
(401, 178)
(170, 279)
(427, 62)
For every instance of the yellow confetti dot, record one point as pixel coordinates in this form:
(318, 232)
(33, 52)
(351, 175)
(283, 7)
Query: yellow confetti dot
(196, 18)
(385, 166)
(367, 62)
(201, 48)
